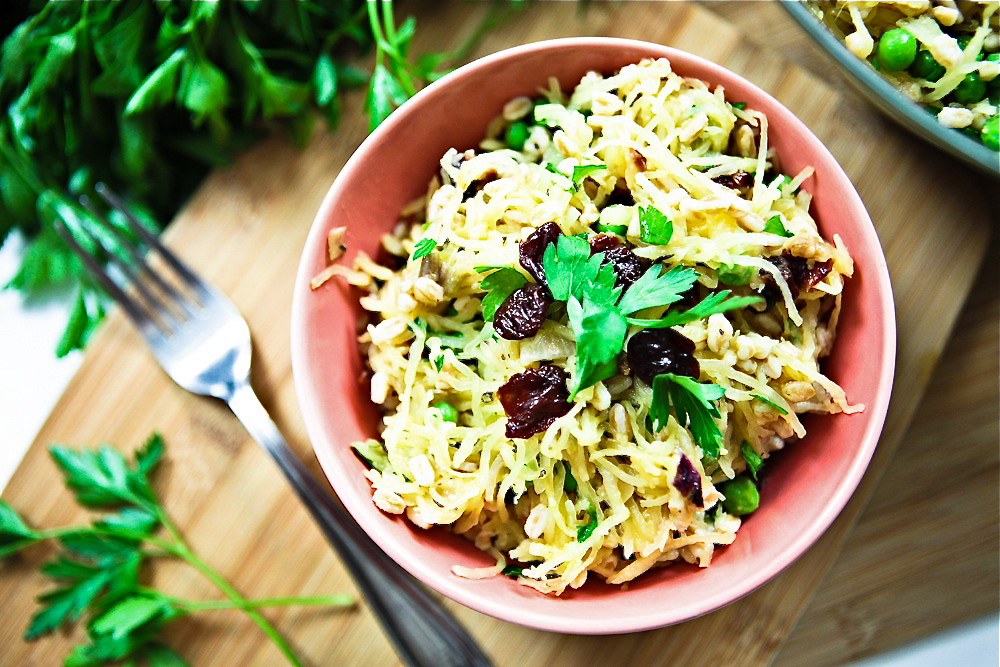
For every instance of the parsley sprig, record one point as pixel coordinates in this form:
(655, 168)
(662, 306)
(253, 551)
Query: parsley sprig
(693, 406)
(98, 569)
(600, 314)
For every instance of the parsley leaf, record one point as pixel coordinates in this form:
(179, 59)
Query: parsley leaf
(753, 459)
(717, 302)
(692, 405)
(580, 172)
(14, 532)
(655, 227)
(499, 285)
(654, 289)
(423, 247)
(775, 226)
(768, 401)
(600, 334)
(511, 570)
(735, 274)
(569, 267)
(585, 530)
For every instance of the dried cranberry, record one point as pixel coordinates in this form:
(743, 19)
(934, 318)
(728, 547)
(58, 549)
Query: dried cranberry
(628, 266)
(688, 481)
(739, 180)
(478, 184)
(652, 352)
(796, 272)
(534, 399)
(522, 313)
(533, 248)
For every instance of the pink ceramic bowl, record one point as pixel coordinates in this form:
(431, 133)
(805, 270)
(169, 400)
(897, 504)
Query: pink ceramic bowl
(807, 485)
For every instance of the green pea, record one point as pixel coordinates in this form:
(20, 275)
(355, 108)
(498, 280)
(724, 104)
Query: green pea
(971, 90)
(990, 133)
(516, 135)
(448, 411)
(926, 67)
(620, 230)
(741, 495)
(896, 49)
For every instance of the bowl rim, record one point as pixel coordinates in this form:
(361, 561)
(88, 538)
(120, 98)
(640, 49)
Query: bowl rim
(458, 589)
(891, 101)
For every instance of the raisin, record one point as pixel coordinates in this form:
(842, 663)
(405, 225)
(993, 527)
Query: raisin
(522, 313)
(740, 180)
(534, 399)
(688, 481)
(533, 248)
(652, 352)
(796, 272)
(628, 266)
(620, 195)
(477, 185)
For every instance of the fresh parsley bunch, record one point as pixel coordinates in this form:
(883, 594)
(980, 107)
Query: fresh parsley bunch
(148, 96)
(99, 565)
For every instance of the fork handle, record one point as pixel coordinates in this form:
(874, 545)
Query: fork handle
(424, 633)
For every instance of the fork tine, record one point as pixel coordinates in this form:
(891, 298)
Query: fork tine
(189, 277)
(158, 312)
(137, 259)
(139, 315)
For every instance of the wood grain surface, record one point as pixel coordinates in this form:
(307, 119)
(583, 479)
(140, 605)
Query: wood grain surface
(921, 557)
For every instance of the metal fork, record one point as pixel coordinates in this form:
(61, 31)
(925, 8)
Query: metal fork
(200, 339)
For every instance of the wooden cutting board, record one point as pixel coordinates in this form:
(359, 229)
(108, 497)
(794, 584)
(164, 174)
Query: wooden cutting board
(244, 229)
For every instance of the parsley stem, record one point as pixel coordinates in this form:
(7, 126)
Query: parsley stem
(181, 548)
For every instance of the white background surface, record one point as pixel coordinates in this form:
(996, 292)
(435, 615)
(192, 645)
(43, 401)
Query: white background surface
(32, 379)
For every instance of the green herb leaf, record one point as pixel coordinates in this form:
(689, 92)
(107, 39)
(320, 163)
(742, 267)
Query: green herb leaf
(131, 522)
(569, 266)
(717, 302)
(775, 226)
(68, 604)
(511, 570)
(693, 407)
(129, 613)
(581, 172)
(373, 452)
(753, 459)
(423, 247)
(569, 483)
(98, 478)
(735, 274)
(158, 655)
(599, 331)
(768, 401)
(655, 227)
(499, 285)
(14, 532)
(654, 289)
(439, 361)
(584, 531)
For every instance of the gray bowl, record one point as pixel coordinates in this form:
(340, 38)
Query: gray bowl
(891, 101)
